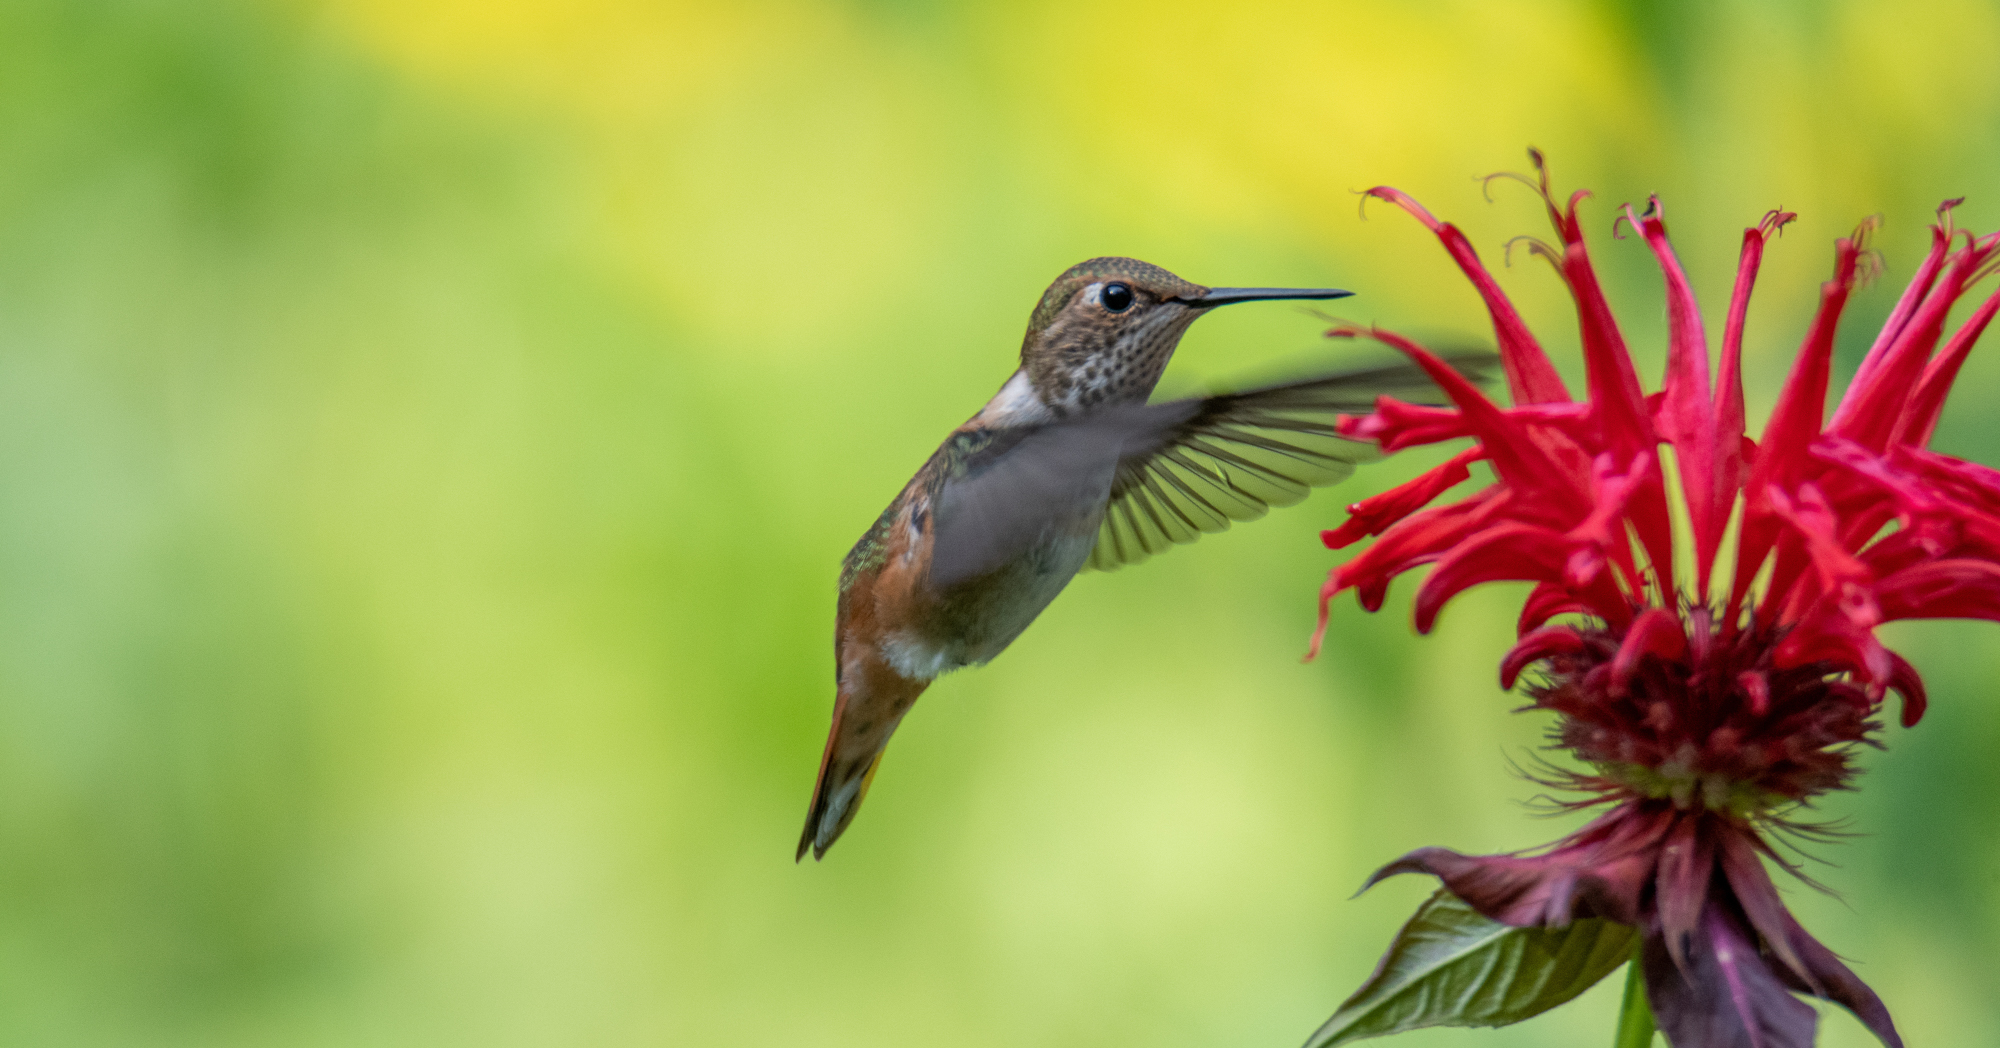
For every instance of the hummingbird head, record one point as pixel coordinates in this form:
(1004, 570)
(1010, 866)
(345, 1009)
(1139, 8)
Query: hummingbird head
(1104, 331)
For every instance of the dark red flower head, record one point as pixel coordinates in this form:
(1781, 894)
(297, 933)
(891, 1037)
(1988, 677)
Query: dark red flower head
(1704, 609)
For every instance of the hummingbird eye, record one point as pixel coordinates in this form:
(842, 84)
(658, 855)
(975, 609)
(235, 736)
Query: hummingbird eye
(1116, 297)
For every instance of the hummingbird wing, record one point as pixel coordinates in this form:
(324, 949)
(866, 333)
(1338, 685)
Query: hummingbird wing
(1002, 492)
(1211, 461)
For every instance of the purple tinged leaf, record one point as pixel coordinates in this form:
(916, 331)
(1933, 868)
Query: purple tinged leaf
(1728, 996)
(1839, 983)
(1760, 902)
(1687, 862)
(1602, 875)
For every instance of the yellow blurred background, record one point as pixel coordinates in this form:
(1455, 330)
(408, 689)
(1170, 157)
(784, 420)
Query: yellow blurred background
(429, 434)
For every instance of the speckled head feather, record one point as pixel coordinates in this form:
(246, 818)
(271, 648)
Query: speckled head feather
(1079, 353)
(1110, 267)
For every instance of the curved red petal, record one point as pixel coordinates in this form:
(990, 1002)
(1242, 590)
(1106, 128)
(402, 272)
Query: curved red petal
(1546, 601)
(1907, 496)
(1531, 378)
(1904, 681)
(1941, 589)
(1406, 202)
(1816, 528)
(1371, 515)
(1957, 479)
(1840, 630)
(1521, 462)
(1795, 421)
(1417, 539)
(1396, 425)
(1602, 532)
(1506, 551)
(1536, 646)
(1655, 631)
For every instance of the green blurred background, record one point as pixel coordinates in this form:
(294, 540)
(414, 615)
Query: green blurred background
(429, 433)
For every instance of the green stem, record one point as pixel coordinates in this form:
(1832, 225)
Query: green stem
(1635, 1016)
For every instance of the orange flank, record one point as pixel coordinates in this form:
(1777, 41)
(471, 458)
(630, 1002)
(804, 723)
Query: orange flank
(871, 696)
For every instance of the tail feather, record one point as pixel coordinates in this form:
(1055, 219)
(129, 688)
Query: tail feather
(863, 720)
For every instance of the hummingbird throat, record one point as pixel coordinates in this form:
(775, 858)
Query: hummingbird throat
(1080, 366)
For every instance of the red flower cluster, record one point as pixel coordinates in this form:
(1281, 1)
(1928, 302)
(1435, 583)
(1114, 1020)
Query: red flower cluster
(1704, 607)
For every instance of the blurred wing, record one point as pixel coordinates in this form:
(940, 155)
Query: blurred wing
(1002, 492)
(1212, 461)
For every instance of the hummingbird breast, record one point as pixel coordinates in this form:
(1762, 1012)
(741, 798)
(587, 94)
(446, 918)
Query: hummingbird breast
(976, 620)
(986, 535)
(926, 631)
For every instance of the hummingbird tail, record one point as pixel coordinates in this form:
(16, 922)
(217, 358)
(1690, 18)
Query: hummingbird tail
(863, 720)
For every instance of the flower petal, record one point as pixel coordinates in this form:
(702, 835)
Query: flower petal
(1418, 539)
(1371, 515)
(1906, 306)
(1875, 399)
(1536, 646)
(1920, 414)
(1656, 631)
(1795, 421)
(1396, 425)
(1838, 983)
(1729, 427)
(1531, 378)
(1815, 531)
(1509, 551)
(1942, 589)
(1546, 601)
(1964, 480)
(1728, 998)
(1519, 460)
(1687, 864)
(1687, 408)
(1904, 681)
(1611, 489)
(1614, 385)
(1751, 884)
(1546, 891)
(1842, 633)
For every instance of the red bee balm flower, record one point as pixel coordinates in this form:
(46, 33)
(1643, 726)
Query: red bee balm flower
(1716, 662)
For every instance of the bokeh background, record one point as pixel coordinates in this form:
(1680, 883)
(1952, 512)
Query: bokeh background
(429, 433)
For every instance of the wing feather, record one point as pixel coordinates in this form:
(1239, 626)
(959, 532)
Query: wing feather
(1206, 463)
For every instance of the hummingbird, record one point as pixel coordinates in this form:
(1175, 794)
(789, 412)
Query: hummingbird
(1066, 468)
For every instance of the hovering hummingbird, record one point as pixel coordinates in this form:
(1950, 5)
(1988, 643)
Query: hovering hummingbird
(1067, 467)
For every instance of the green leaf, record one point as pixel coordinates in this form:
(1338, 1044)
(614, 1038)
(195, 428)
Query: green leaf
(1450, 966)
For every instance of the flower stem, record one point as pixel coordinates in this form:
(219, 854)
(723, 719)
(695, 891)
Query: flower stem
(1635, 1016)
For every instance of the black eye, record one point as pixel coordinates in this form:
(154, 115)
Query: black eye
(1116, 297)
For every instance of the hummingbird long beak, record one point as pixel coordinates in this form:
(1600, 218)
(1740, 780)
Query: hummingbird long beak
(1222, 296)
